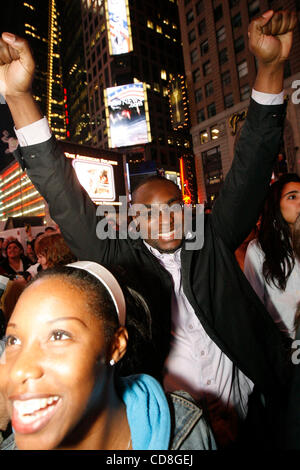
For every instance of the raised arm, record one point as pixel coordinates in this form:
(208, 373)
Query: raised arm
(237, 208)
(46, 165)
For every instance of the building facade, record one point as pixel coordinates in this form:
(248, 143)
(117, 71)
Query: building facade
(220, 73)
(151, 54)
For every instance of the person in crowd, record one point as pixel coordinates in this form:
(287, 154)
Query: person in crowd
(64, 348)
(16, 262)
(49, 229)
(30, 253)
(271, 266)
(1, 247)
(4, 245)
(211, 335)
(52, 250)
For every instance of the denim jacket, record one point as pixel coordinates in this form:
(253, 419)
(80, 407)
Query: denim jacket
(189, 429)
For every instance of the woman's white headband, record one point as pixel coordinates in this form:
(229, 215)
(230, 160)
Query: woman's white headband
(109, 281)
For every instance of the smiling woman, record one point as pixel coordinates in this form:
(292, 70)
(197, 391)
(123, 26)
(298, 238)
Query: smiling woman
(59, 376)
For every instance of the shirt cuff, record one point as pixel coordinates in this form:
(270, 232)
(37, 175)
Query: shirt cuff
(34, 133)
(267, 98)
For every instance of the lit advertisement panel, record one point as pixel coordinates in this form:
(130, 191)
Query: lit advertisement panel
(118, 27)
(97, 179)
(127, 115)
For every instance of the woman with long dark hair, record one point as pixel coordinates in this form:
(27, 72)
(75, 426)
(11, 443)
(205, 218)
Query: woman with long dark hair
(271, 266)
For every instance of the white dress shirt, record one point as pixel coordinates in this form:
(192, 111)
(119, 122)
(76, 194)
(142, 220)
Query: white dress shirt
(197, 365)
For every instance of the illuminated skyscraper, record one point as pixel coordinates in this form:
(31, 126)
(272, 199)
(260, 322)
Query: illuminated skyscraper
(38, 22)
(77, 116)
(131, 42)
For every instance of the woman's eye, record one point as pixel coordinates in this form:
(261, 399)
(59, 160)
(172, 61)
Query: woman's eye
(11, 341)
(59, 335)
(292, 196)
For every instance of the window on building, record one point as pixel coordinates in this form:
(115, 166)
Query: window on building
(206, 68)
(196, 75)
(200, 115)
(198, 95)
(194, 56)
(201, 27)
(239, 44)
(223, 57)
(242, 69)
(225, 77)
(228, 100)
(209, 89)
(218, 12)
(199, 7)
(253, 8)
(189, 17)
(214, 133)
(163, 75)
(203, 137)
(221, 34)
(233, 3)
(236, 21)
(191, 36)
(150, 24)
(212, 166)
(211, 110)
(245, 92)
(204, 47)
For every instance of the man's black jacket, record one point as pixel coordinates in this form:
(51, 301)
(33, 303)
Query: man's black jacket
(223, 300)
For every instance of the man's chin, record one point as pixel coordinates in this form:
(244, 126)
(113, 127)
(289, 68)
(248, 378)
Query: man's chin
(165, 247)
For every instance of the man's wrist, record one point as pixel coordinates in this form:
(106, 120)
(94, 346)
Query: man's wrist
(269, 79)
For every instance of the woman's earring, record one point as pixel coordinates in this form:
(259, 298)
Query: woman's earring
(112, 362)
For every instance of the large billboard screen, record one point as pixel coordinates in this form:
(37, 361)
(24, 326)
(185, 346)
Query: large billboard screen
(127, 115)
(118, 26)
(97, 179)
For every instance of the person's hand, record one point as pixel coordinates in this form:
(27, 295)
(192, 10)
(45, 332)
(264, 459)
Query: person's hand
(270, 37)
(16, 65)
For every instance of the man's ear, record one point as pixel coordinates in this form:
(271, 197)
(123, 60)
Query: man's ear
(118, 346)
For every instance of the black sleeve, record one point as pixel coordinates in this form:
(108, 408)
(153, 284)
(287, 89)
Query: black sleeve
(69, 204)
(238, 206)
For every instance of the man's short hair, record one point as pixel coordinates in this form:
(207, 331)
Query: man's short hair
(151, 179)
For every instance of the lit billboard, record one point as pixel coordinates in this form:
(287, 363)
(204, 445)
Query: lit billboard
(96, 178)
(127, 115)
(118, 26)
